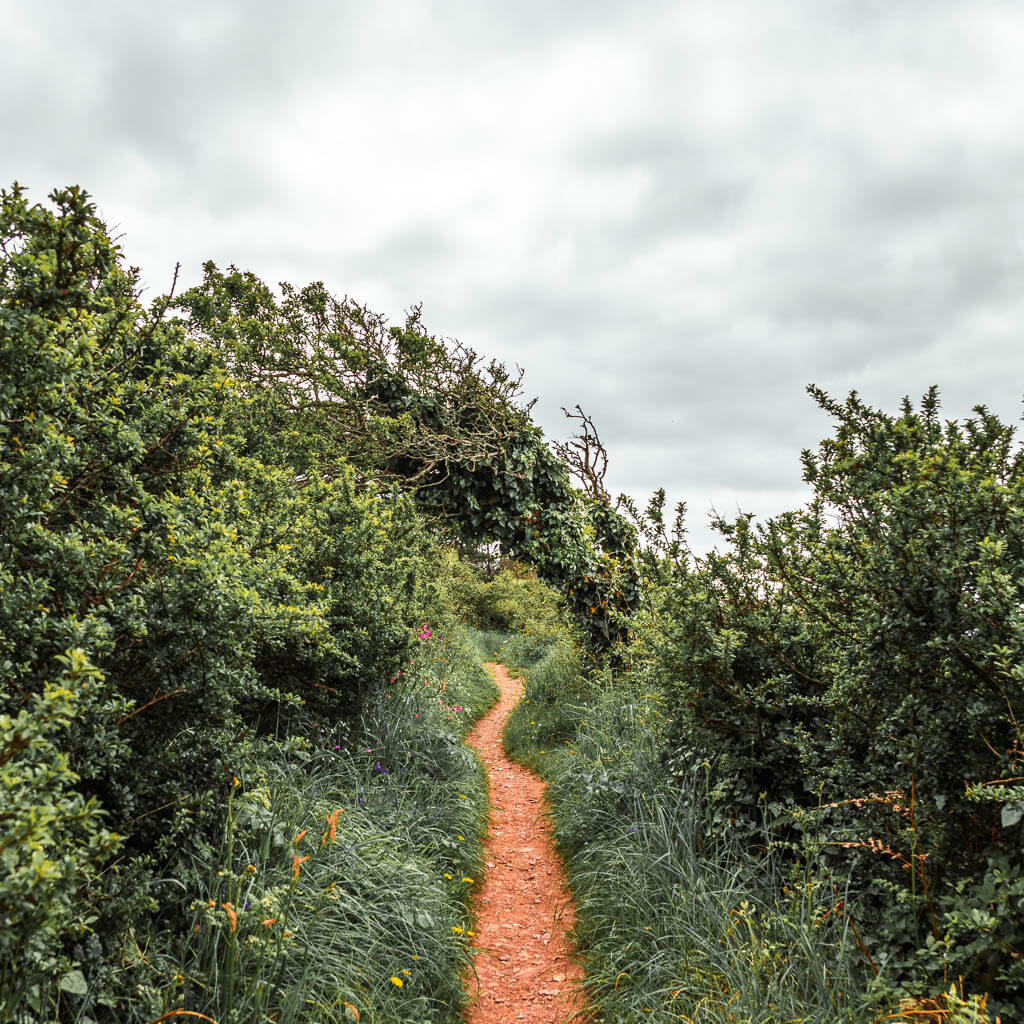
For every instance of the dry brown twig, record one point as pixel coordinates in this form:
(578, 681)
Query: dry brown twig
(585, 455)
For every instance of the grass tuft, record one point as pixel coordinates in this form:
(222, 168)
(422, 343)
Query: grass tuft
(340, 890)
(675, 922)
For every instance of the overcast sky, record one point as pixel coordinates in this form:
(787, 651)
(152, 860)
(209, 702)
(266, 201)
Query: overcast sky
(676, 214)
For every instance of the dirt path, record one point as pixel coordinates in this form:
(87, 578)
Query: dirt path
(523, 907)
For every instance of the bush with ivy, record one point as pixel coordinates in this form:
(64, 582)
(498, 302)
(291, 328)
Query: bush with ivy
(428, 416)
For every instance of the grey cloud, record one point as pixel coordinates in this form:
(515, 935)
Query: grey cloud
(197, 87)
(718, 204)
(416, 246)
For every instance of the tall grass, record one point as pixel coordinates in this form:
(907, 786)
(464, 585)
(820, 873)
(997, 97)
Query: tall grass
(340, 889)
(674, 927)
(518, 651)
(675, 922)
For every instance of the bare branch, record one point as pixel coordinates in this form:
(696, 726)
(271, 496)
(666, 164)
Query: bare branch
(585, 455)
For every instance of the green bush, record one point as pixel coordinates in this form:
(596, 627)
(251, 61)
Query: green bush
(855, 668)
(509, 602)
(328, 380)
(53, 848)
(220, 598)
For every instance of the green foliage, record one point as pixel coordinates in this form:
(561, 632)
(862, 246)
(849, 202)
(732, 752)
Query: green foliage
(221, 598)
(586, 549)
(333, 382)
(512, 601)
(855, 667)
(342, 869)
(552, 709)
(53, 845)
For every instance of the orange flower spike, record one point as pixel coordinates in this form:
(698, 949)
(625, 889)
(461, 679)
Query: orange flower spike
(332, 821)
(301, 836)
(232, 916)
(296, 864)
(270, 922)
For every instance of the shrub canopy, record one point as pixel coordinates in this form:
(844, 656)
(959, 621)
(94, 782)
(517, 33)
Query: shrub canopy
(854, 670)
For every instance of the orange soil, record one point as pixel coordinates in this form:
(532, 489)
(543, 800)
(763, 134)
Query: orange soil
(523, 909)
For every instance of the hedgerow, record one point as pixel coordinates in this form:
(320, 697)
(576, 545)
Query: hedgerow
(177, 601)
(797, 793)
(852, 670)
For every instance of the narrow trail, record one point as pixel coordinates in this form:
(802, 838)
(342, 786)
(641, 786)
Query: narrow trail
(524, 910)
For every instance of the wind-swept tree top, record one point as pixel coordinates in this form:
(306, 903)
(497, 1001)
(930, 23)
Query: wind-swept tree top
(396, 402)
(424, 414)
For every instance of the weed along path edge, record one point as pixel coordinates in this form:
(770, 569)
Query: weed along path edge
(523, 908)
